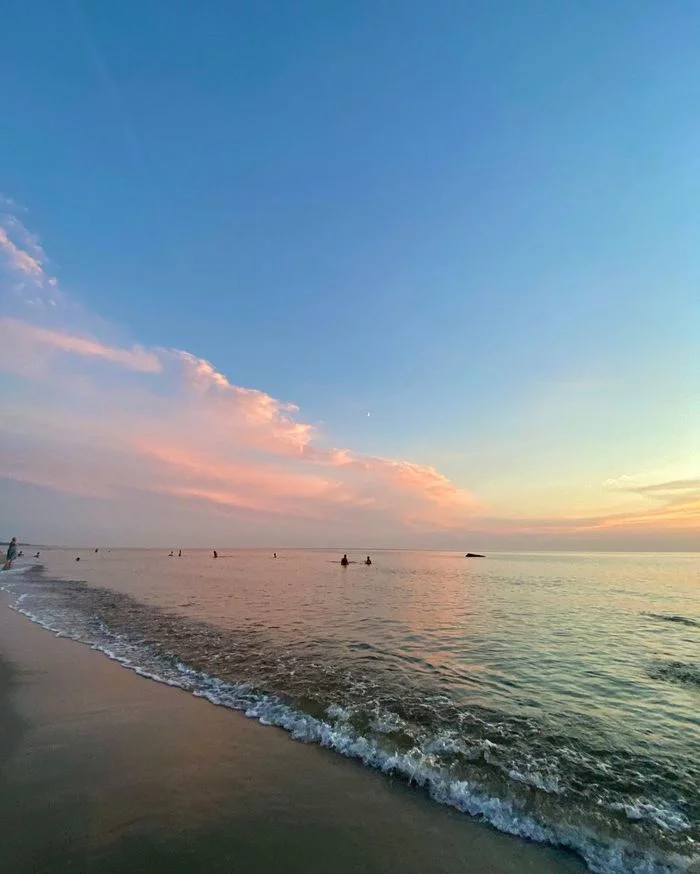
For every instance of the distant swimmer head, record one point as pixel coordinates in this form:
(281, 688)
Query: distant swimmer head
(78, 558)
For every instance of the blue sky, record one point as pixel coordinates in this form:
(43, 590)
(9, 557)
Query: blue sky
(475, 221)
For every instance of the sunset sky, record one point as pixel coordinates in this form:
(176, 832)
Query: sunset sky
(361, 274)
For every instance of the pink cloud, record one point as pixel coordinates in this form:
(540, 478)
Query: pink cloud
(188, 434)
(241, 449)
(223, 444)
(26, 338)
(265, 479)
(268, 423)
(442, 504)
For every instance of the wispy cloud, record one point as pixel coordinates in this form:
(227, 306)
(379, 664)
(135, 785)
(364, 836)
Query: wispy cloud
(107, 83)
(23, 264)
(35, 339)
(20, 259)
(678, 488)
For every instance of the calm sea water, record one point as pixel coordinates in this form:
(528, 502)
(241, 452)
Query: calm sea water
(555, 696)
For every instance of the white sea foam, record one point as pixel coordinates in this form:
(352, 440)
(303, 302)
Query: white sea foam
(656, 811)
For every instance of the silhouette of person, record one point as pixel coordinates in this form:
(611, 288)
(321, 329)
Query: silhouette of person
(344, 561)
(11, 553)
(368, 560)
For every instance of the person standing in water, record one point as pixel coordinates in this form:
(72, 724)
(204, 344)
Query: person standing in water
(344, 561)
(11, 553)
(179, 553)
(216, 554)
(368, 560)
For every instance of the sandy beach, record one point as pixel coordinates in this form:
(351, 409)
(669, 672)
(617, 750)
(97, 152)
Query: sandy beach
(105, 771)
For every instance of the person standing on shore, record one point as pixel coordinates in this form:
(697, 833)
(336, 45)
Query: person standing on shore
(11, 553)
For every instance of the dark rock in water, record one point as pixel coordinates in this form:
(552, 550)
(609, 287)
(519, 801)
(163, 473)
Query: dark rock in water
(474, 555)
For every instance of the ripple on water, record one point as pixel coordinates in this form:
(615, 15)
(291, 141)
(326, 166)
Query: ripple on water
(623, 808)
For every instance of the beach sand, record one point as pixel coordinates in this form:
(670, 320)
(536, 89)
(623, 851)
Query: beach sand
(102, 770)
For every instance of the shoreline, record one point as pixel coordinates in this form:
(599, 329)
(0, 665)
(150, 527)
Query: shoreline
(121, 772)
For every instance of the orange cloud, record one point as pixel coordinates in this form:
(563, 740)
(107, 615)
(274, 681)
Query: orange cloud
(677, 514)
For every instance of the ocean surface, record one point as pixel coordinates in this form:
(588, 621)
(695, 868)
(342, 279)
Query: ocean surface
(554, 696)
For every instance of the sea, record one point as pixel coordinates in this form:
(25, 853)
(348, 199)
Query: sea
(553, 696)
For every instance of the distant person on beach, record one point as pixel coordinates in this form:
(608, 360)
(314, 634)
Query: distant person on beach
(179, 553)
(11, 553)
(216, 554)
(368, 560)
(36, 555)
(274, 555)
(344, 561)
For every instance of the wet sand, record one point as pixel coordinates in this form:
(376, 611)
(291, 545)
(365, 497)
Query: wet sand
(104, 771)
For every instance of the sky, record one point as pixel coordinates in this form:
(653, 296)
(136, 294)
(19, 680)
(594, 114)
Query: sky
(398, 274)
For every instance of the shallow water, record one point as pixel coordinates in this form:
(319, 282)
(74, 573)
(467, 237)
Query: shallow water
(556, 696)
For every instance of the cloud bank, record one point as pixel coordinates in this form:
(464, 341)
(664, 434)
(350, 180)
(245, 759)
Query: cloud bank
(162, 436)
